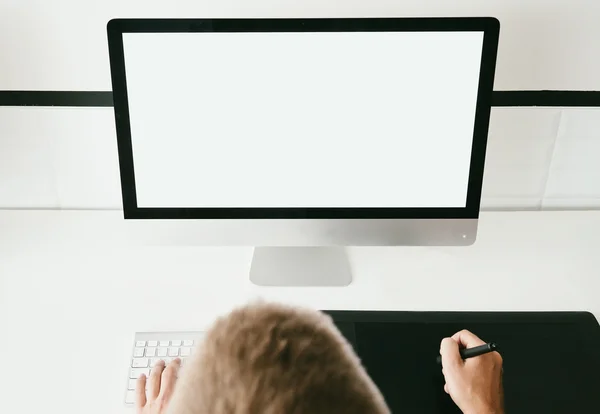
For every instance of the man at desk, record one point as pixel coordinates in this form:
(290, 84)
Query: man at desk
(270, 359)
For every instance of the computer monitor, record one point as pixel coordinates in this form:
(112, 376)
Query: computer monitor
(303, 132)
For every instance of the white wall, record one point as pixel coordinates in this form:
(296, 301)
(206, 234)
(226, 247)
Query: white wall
(543, 158)
(61, 45)
(66, 157)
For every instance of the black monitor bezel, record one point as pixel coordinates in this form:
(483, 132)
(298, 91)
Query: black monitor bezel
(488, 25)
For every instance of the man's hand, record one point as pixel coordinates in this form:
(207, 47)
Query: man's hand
(475, 384)
(160, 388)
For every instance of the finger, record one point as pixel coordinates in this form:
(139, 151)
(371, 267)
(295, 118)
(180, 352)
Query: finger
(140, 392)
(467, 339)
(446, 388)
(449, 351)
(169, 376)
(155, 380)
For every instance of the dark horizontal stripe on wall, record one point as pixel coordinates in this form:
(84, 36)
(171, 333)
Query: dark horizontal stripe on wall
(104, 98)
(546, 98)
(56, 98)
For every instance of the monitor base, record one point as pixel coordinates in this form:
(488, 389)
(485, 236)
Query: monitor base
(300, 266)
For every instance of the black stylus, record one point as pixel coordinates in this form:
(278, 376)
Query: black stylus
(473, 352)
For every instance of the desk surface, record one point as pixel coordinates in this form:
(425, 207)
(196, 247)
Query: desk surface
(73, 291)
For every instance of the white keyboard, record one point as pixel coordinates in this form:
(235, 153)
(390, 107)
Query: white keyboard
(151, 347)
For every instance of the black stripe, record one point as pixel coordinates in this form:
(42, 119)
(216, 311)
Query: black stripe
(104, 98)
(56, 98)
(546, 98)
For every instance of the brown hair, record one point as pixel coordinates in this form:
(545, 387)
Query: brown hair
(273, 359)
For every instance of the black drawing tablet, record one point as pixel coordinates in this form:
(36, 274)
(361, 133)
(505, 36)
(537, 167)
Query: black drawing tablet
(551, 359)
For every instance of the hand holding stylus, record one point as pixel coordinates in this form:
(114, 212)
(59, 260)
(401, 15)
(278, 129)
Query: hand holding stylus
(474, 352)
(475, 384)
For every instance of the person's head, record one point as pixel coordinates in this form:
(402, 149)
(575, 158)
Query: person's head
(272, 359)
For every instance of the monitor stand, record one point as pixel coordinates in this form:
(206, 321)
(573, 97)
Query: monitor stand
(300, 266)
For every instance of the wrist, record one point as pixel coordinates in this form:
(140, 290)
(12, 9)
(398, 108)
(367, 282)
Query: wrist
(484, 409)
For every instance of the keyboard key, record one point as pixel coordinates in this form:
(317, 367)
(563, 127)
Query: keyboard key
(152, 343)
(154, 361)
(138, 352)
(164, 343)
(175, 343)
(161, 352)
(188, 343)
(130, 397)
(150, 352)
(167, 360)
(132, 384)
(140, 343)
(186, 352)
(139, 362)
(173, 352)
(136, 372)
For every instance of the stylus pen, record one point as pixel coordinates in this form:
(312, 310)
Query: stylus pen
(473, 352)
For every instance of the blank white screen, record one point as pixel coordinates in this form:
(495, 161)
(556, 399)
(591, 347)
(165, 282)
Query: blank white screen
(355, 119)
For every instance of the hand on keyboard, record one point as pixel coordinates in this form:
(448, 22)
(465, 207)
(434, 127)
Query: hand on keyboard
(161, 383)
(149, 349)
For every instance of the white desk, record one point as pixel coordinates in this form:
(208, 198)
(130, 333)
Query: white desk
(73, 291)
